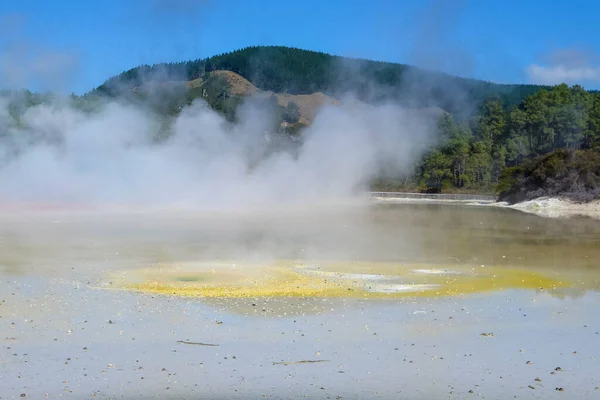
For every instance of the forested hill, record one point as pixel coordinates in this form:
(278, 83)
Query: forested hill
(295, 71)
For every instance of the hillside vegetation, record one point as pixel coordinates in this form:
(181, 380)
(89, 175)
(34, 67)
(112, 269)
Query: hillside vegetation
(523, 148)
(294, 71)
(574, 175)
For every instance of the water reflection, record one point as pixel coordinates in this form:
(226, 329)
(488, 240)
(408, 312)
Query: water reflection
(86, 247)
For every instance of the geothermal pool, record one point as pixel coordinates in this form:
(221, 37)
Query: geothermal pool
(380, 301)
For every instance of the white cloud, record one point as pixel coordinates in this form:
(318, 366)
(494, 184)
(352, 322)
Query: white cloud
(571, 66)
(553, 75)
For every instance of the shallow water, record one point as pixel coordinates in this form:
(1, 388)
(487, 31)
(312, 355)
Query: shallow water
(70, 329)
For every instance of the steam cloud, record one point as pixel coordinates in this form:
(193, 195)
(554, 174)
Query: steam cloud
(60, 155)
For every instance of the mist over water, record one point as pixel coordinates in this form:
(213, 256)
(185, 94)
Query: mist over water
(57, 154)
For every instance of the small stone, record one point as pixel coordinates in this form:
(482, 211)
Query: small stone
(559, 389)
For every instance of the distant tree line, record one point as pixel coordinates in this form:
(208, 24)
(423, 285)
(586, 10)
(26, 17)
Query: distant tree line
(485, 151)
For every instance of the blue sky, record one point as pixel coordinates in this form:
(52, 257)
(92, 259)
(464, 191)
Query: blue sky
(74, 45)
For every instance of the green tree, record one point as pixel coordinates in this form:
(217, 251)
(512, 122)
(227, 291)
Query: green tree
(436, 167)
(479, 164)
(592, 133)
(492, 122)
(519, 143)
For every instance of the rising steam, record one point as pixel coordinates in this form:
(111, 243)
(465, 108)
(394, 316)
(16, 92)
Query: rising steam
(57, 154)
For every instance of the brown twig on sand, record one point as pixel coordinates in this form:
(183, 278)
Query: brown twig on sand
(196, 343)
(298, 362)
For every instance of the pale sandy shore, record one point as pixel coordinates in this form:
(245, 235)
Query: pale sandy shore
(557, 208)
(543, 206)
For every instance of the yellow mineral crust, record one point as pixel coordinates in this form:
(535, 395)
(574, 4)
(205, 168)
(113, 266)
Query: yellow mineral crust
(327, 279)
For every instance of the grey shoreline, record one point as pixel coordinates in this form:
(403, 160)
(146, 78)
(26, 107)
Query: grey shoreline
(549, 207)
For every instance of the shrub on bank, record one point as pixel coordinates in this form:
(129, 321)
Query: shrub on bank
(573, 175)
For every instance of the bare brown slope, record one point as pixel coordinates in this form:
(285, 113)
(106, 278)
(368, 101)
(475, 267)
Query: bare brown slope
(220, 82)
(236, 85)
(308, 104)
